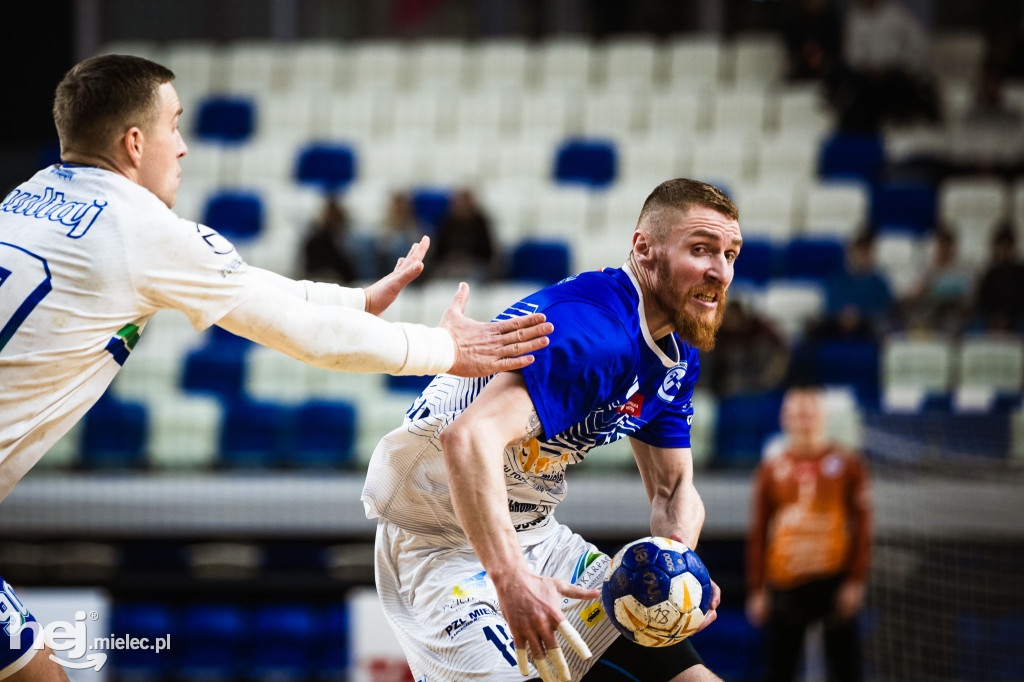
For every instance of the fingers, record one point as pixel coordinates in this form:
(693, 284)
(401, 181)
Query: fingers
(567, 589)
(574, 640)
(716, 595)
(522, 659)
(561, 668)
(544, 670)
(524, 321)
(461, 298)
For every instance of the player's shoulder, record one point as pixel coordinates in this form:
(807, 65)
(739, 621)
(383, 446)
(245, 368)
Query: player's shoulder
(605, 290)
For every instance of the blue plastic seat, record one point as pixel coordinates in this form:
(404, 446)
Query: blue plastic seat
(849, 156)
(225, 119)
(288, 639)
(338, 652)
(905, 205)
(151, 621)
(813, 259)
(236, 215)
(215, 369)
(114, 434)
(744, 423)
(430, 204)
(323, 434)
(756, 263)
(329, 166)
(253, 434)
(213, 641)
(409, 383)
(542, 262)
(592, 163)
(851, 363)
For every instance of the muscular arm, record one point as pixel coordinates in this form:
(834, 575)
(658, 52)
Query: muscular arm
(676, 508)
(473, 448)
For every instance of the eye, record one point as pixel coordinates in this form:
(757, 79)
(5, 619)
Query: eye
(730, 256)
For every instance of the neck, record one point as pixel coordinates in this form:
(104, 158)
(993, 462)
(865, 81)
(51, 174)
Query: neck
(806, 446)
(658, 322)
(104, 161)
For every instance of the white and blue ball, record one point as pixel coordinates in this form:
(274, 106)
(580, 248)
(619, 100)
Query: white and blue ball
(657, 591)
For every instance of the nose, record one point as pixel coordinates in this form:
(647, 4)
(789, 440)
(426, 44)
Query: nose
(720, 270)
(183, 149)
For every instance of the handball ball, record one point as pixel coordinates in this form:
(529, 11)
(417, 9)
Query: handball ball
(657, 591)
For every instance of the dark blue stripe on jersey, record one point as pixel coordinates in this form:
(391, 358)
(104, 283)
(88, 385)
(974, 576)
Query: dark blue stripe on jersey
(117, 348)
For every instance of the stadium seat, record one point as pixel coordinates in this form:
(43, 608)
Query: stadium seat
(235, 214)
(742, 111)
(694, 61)
(322, 435)
(184, 430)
(913, 369)
(338, 655)
(759, 59)
(848, 156)
(114, 434)
(814, 259)
(630, 60)
(437, 64)
(379, 64)
(564, 210)
(835, 209)
(849, 363)
(251, 66)
(722, 160)
(225, 119)
(899, 256)
(768, 210)
(271, 376)
(791, 305)
(677, 113)
(956, 56)
(992, 362)
(215, 641)
(195, 63)
(564, 62)
(290, 639)
(906, 206)
(744, 423)
(328, 166)
(312, 66)
(252, 434)
(541, 261)
(216, 370)
(547, 115)
(787, 157)
(430, 205)
(802, 111)
(591, 163)
(501, 64)
(612, 114)
(974, 205)
(140, 620)
(647, 161)
(734, 648)
(407, 384)
(756, 265)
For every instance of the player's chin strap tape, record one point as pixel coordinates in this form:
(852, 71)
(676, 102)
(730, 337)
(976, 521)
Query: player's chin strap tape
(431, 349)
(325, 293)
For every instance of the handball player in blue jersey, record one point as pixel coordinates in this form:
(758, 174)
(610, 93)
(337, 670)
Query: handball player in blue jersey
(475, 574)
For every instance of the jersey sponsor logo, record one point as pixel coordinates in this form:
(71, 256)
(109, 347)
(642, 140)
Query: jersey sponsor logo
(673, 380)
(50, 205)
(592, 615)
(214, 240)
(457, 625)
(633, 406)
(122, 343)
(584, 562)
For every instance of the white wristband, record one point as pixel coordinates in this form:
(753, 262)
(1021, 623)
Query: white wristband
(431, 349)
(325, 293)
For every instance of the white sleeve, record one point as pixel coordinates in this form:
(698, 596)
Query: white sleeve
(337, 337)
(316, 292)
(180, 264)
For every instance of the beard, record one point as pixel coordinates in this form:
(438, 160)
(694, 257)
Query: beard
(696, 329)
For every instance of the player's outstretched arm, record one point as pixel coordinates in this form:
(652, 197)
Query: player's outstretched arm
(384, 291)
(473, 447)
(482, 349)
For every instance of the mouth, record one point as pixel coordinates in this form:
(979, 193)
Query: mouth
(707, 298)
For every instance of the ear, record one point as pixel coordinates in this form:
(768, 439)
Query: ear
(133, 142)
(643, 248)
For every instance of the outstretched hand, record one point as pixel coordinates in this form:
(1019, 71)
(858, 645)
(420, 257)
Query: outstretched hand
(384, 291)
(486, 348)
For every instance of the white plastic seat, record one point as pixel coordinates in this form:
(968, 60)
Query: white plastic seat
(650, 160)
(741, 111)
(197, 64)
(501, 64)
(957, 55)
(252, 66)
(694, 60)
(436, 64)
(272, 376)
(547, 115)
(767, 209)
(787, 157)
(611, 113)
(287, 118)
(265, 162)
(66, 452)
(483, 115)
(1017, 209)
(703, 426)
(527, 158)
(899, 257)
(418, 115)
(359, 115)
(562, 211)
(155, 366)
(791, 305)
(184, 430)
(835, 209)
(509, 204)
(760, 59)
(619, 208)
(202, 164)
(376, 419)
(455, 162)
(313, 66)
(973, 204)
(802, 110)
(630, 61)
(378, 65)
(678, 112)
(564, 62)
(992, 362)
(843, 422)
(721, 159)
(924, 364)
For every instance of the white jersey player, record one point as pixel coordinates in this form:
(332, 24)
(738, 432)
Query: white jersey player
(472, 567)
(90, 249)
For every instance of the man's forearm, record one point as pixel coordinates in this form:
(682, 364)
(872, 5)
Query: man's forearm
(680, 513)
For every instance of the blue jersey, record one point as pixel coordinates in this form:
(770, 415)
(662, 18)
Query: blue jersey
(602, 377)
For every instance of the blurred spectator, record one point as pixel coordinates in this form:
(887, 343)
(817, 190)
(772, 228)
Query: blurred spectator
(860, 294)
(399, 231)
(750, 356)
(809, 544)
(1000, 298)
(812, 30)
(990, 109)
(464, 247)
(886, 51)
(941, 296)
(325, 253)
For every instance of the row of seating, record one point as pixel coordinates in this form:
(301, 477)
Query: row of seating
(508, 62)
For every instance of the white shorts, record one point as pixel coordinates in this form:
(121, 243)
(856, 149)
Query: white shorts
(445, 612)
